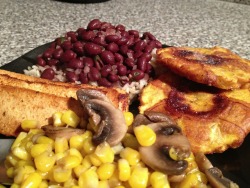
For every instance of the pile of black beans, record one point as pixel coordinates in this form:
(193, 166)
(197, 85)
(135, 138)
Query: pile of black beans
(102, 53)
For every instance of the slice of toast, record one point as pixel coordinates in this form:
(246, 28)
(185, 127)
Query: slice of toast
(118, 97)
(25, 97)
(18, 104)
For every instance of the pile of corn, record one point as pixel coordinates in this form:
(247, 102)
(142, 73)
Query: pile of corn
(36, 160)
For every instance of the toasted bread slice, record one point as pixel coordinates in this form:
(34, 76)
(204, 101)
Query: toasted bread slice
(18, 104)
(217, 66)
(117, 96)
(26, 97)
(212, 119)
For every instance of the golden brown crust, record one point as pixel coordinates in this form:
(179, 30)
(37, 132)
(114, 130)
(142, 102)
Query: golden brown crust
(215, 66)
(212, 119)
(118, 97)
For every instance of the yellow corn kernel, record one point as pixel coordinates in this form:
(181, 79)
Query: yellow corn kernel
(45, 161)
(28, 146)
(70, 118)
(88, 146)
(18, 139)
(139, 177)
(124, 170)
(76, 141)
(87, 134)
(45, 140)
(130, 140)
(114, 179)
(70, 182)
(129, 118)
(131, 155)
(44, 175)
(36, 131)
(173, 153)
(145, 135)
(159, 180)
(119, 186)
(103, 184)
(61, 174)
(89, 178)
(76, 153)
(95, 161)
(29, 124)
(57, 119)
(86, 162)
(14, 185)
(59, 156)
(10, 172)
(43, 184)
(21, 153)
(194, 179)
(105, 153)
(21, 173)
(192, 165)
(37, 149)
(11, 160)
(69, 162)
(61, 145)
(105, 171)
(79, 170)
(32, 181)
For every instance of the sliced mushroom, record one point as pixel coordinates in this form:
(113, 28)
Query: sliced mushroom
(157, 156)
(87, 94)
(214, 175)
(158, 117)
(140, 119)
(112, 126)
(53, 132)
(151, 117)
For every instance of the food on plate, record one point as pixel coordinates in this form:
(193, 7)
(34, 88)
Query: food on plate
(212, 119)
(25, 97)
(101, 54)
(56, 155)
(118, 97)
(215, 66)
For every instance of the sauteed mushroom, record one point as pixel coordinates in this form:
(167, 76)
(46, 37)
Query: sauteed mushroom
(151, 117)
(157, 156)
(53, 132)
(214, 175)
(110, 120)
(87, 94)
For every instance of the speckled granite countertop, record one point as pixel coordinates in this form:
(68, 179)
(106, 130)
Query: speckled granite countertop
(25, 25)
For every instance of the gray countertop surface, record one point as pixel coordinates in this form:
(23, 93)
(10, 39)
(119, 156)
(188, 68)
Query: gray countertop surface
(25, 25)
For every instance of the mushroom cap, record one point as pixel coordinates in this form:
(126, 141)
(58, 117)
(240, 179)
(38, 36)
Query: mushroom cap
(87, 94)
(112, 126)
(157, 156)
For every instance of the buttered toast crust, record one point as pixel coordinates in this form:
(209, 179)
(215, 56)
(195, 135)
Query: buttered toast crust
(118, 97)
